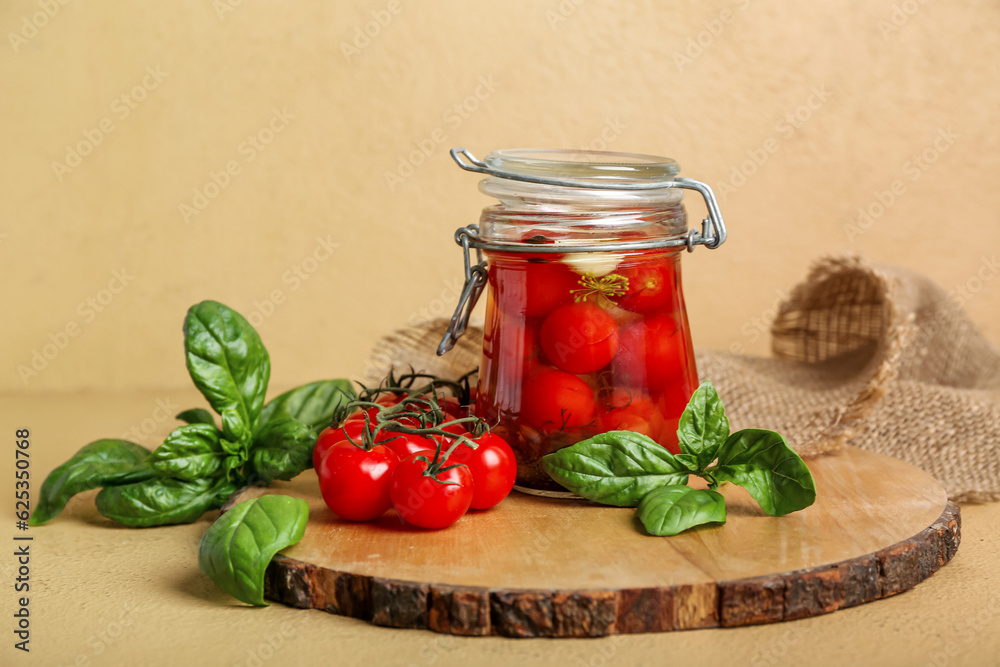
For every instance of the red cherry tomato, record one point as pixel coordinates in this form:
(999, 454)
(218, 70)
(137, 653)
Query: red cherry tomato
(355, 482)
(532, 288)
(389, 400)
(650, 285)
(355, 428)
(331, 435)
(625, 410)
(493, 467)
(651, 353)
(514, 339)
(554, 400)
(451, 406)
(579, 337)
(359, 415)
(430, 501)
(404, 444)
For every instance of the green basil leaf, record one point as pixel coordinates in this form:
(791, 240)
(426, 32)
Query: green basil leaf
(189, 452)
(230, 469)
(614, 468)
(688, 462)
(230, 366)
(236, 550)
(703, 427)
(197, 416)
(762, 463)
(97, 464)
(672, 509)
(160, 502)
(282, 450)
(312, 404)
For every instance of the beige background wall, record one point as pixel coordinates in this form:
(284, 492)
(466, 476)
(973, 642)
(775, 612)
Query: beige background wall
(838, 101)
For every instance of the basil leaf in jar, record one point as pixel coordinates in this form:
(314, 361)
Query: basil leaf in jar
(312, 404)
(100, 463)
(614, 468)
(161, 502)
(230, 366)
(282, 450)
(672, 509)
(764, 464)
(703, 426)
(189, 452)
(236, 550)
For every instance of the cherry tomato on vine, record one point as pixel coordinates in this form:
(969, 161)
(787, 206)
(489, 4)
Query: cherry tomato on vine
(651, 352)
(493, 467)
(579, 337)
(553, 400)
(355, 482)
(404, 444)
(430, 500)
(650, 285)
(359, 415)
(331, 435)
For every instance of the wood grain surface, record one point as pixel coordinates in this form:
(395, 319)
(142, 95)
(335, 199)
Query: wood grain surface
(535, 567)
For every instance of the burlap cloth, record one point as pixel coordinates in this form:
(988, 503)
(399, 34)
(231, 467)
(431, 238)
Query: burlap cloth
(876, 356)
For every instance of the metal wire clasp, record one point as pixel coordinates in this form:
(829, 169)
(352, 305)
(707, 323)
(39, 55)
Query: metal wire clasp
(713, 229)
(475, 281)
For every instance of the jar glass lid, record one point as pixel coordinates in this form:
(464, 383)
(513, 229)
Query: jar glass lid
(584, 166)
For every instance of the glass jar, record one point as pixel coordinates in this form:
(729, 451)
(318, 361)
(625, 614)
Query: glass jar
(586, 330)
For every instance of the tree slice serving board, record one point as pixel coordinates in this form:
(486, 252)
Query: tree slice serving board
(538, 567)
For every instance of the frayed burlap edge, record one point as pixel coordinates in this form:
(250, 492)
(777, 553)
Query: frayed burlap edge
(794, 338)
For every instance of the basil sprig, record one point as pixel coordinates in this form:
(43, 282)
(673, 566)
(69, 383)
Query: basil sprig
(199, 465)
(632, 470)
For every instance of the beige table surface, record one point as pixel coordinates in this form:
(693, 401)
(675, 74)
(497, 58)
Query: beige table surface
(106, 595)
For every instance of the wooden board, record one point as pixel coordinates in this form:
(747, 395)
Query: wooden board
(536, 567)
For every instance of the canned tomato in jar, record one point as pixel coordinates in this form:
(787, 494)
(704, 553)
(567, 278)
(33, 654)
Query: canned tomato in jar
(586, 330)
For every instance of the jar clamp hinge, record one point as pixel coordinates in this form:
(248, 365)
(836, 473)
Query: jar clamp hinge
(475, 281)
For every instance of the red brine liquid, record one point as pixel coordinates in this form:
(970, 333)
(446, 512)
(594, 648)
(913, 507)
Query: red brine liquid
(573, 348)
